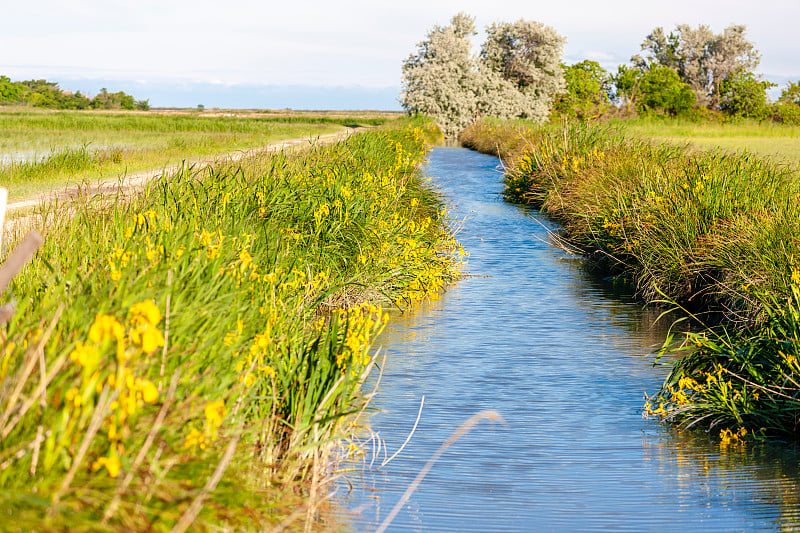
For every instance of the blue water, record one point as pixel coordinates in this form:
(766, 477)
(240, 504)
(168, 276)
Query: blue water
(566, 361)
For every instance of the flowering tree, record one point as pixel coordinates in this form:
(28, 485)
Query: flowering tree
(517, 73)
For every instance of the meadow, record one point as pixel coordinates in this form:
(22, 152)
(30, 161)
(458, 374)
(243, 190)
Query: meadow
(766, 139)
(42, 150)
(190, 357)
(712, 232)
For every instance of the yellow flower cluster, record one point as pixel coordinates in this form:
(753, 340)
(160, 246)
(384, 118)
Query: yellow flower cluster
(117, 260)
(253, 363)
(144, 225)
(129, 342)
(730, 438)
(214, 413)
(210, 242)
(362, 323)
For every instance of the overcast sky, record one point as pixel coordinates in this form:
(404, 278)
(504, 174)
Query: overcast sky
(245, 53)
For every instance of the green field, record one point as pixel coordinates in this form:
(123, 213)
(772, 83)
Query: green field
(43, 150)
(776, 141)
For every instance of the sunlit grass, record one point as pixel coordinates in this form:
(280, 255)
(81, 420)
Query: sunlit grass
(778, 141)
(782, 149)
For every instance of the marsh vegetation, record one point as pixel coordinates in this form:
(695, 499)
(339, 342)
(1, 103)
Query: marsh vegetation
(41, 150)
(200, 347)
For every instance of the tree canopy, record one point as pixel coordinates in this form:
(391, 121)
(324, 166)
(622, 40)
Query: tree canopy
(516, 75)
(587, 94)
(700, 57)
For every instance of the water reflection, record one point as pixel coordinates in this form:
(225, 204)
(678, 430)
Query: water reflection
(566, 361)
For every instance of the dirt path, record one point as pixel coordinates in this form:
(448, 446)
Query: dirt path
(139, 179)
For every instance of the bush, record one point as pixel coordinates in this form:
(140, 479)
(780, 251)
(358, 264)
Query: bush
(742, 94)
(662, 91)
(588, 87)
(791, 94)
(785, 113)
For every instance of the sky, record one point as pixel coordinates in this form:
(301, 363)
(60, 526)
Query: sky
(340, 54)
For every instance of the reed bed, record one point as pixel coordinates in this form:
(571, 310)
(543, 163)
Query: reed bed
(714, 232)
(28, 120)
(190, 356)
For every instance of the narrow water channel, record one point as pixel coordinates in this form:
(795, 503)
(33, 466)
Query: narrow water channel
(566, 362)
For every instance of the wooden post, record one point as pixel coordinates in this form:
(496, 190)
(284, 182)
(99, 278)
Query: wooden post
(19, 257)
(3, 204)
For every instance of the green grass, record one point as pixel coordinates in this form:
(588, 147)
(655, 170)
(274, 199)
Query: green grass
(777, 141)
(52, 149)
(714, 231)
(227, 309)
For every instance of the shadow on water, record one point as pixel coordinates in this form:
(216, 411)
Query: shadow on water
(566, 359)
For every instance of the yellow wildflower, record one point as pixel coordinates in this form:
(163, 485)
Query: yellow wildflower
(149, 391)
(105, 327)
(145, 312)
(111, 463)
(148, 338)
(215, 413)
(195, 439)
(84, 354)
(73, 396)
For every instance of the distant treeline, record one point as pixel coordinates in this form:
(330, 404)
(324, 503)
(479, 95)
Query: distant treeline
(43, 93)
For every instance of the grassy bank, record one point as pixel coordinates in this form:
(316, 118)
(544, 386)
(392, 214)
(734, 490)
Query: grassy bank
(712, 230)
(41, 150)
(203, 344)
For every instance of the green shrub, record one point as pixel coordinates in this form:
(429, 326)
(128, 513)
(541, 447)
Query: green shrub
(742, 94)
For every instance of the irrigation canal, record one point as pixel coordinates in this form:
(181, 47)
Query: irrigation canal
(566, 361)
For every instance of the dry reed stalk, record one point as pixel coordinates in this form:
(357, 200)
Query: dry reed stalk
(22, 379)
(20, 452)
(190, 515)
(3, 206)
(312, 494)
(400, 449)
(36, 395)
(94, 426)
(463, 429)
(18, 258)
(42, 402)
(35, 457)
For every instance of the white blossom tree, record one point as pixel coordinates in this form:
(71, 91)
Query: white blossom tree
(517, 73)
